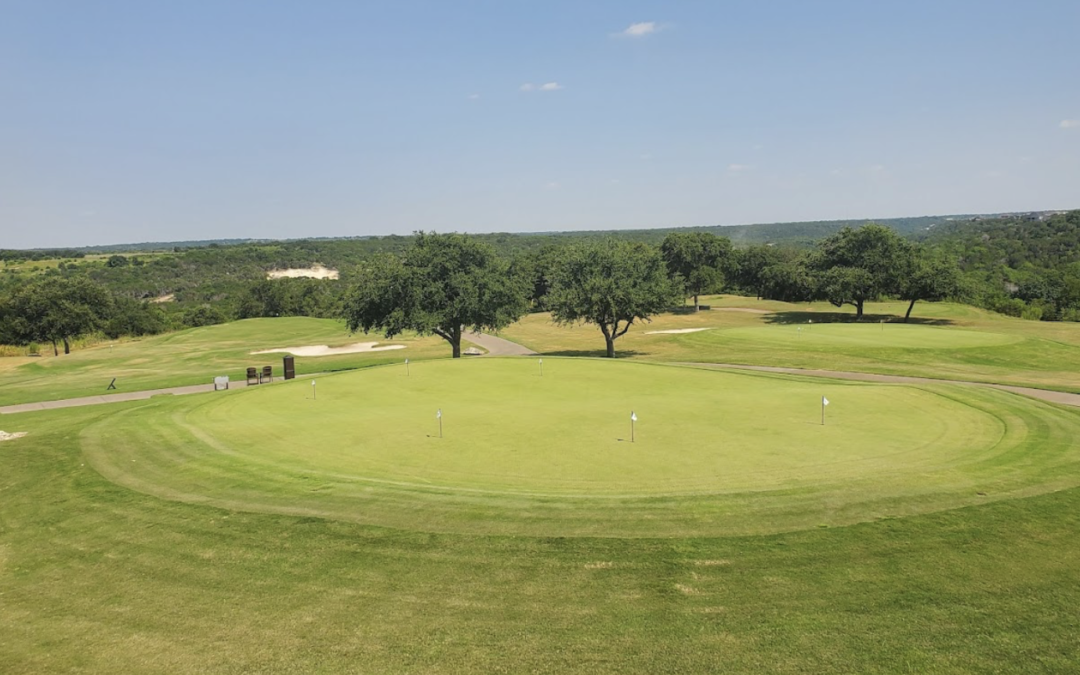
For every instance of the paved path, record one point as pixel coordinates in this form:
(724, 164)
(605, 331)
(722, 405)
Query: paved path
(1042, 394)
(116, 398)
(497, 346)
(500, 347)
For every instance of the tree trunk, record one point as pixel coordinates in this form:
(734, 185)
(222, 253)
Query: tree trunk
(909, 308)
(456, 342)
(610, 346)
(55, 351)
(697, 307)
(67, 347)
(858, 309)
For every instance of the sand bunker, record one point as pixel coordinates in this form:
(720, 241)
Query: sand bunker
(315, 272)
(324, 350)
(5, 436)
(170, 297)
(675, 331)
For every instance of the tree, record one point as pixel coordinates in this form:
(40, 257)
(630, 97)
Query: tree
(928, 278)
(788, 281)
(696, 259)
(854, 266)
(443, 285)
(611, 284)
(56, 309)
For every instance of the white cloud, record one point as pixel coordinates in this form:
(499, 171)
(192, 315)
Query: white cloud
(473, 97)
(738, 168)
(640, 29)
(547, 86)
(1069, 124)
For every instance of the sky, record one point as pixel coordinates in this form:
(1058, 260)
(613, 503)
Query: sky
(149, 120)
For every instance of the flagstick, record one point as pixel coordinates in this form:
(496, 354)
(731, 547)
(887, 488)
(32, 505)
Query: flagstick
(541, 367)
(406, 367)
(313, 390)
(822, 412)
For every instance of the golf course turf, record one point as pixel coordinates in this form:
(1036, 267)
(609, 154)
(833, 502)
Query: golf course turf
(923, 529)
(714, 453)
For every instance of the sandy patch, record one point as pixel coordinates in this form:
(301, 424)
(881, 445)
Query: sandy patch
(324, 350)
(745, 310)
(316, 272)
(5, 436)
(675, 331)
(164, 298)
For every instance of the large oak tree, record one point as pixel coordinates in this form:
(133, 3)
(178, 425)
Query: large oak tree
(696, 260)
(856, 265)
(55, 310)
(443, 285)
(611, 284)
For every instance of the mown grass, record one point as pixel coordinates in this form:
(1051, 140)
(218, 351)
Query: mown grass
(99, 578)
(195, 356)
(715, 453)
(946, 341)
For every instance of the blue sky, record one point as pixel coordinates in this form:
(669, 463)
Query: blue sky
(153, 121)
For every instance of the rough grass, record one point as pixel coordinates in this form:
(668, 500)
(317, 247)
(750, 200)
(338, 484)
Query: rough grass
(195, 356)
(98, 578)
(946, 341)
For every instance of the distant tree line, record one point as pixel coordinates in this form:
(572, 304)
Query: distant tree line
(1026, 266)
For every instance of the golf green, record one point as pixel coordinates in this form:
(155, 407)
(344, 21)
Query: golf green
(555, 454)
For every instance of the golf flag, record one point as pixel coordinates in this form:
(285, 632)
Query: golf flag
(438, 415)
(633, 416)
(824, 401)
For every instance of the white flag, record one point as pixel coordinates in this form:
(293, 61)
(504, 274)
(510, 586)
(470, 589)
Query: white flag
(824, 401)
(633, 416)
(438, 415)
(313, 383)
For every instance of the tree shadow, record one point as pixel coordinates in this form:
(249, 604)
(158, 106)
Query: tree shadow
(597, 353)
(793, 318)
(689, 309)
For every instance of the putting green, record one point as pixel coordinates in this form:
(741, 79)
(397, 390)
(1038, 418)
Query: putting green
(713, 453)
(874, 335)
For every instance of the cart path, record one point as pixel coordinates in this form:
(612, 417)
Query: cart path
(500, 347)
(1041, 394)
(118, 397)
(497, 346)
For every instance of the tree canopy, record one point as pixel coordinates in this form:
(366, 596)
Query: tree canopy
(611, 284)
(696, 261)
(55, 309)
(442, 285)
(859, 265)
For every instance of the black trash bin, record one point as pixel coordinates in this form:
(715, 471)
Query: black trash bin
(290, 368)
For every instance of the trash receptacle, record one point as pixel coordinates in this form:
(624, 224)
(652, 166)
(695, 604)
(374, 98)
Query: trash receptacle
(290, 368)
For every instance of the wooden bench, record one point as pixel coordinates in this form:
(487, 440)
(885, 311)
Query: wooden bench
(252, 374)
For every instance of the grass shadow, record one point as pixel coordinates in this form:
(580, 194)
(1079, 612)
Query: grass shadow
(792, 318)
(596, 353)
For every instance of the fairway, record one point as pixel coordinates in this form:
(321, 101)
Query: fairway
(520, 453)
(840, 336)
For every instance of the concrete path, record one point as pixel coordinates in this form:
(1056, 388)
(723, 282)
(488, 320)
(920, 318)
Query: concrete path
(1042, 394)
(497, 346)
(116, 398)
(500, 347)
